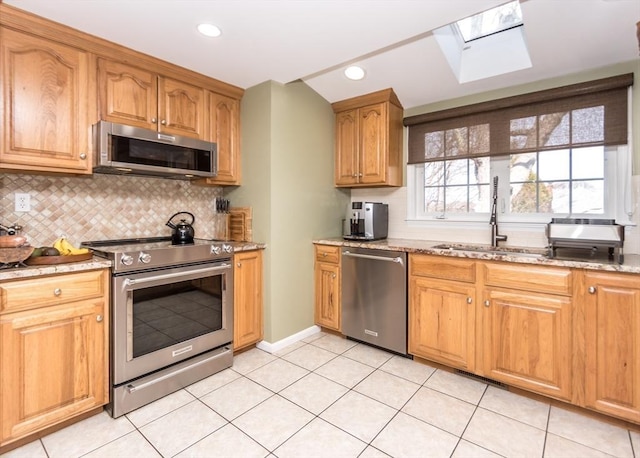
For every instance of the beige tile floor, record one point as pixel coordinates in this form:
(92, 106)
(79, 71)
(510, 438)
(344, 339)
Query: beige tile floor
(331, 397)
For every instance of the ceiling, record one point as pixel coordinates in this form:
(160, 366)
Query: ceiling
(313, 40)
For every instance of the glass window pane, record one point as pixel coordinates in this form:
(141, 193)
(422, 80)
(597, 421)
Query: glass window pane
(587, 162)
(553, 129)
(456, 199)
(495, 20)
(434, 199)
(587, 125)
(479, 139)
(555, 197)
(479, 170)
(523, 133)
(554, 165)
(523, 167)
(479, 199)
(588, 197)
(457, 172)
(434, 174)
(456, 142)
(434, 145)
(524, 198)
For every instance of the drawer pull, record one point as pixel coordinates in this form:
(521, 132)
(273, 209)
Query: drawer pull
(57, 292)
(592, 289)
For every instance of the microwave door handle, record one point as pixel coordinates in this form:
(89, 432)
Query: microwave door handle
(141, 281)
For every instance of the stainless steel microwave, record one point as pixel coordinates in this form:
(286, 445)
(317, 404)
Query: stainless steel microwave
(128, 150)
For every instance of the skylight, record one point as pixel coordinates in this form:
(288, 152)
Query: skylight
(492, 21)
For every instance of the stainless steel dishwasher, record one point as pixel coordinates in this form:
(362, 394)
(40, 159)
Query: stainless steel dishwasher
(374, 297)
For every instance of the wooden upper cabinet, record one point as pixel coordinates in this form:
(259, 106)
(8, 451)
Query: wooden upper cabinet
(368, 149)
(45, 104)
(612, 353)
(141, 98)
(224, 113)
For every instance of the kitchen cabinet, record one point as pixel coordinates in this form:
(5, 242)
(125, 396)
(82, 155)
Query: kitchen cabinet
(140, 97)
(368, 148)
(45, 105)
(442, 310)
(611, 308)
(225, 132)
(327, 308)
(526, 317)
(53, 350)
(247, 298)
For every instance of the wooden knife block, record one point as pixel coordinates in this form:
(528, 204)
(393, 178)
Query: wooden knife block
(239, 224)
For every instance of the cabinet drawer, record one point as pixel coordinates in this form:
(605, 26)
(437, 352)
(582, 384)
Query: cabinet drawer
(442, 267)
(325, 253)
(549, 280)
(58, 289)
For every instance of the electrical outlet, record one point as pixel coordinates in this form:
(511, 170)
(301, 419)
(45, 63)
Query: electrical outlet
(22, 202)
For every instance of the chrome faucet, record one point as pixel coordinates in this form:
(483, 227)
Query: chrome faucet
(493, 222)
(11, 230)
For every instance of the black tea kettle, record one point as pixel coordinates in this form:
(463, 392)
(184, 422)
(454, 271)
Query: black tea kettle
(183, 232)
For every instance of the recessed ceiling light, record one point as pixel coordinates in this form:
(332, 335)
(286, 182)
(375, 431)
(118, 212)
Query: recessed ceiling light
(209, 30)
(354, 73)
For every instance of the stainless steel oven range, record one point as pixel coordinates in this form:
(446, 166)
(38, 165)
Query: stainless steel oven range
(171, 315)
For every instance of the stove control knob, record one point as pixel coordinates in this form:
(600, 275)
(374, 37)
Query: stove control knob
(144, 258)
(215, 249)
(227, 248)
(126, 259)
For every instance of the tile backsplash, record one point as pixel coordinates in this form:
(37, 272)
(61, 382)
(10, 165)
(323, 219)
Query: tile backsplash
(106, 207)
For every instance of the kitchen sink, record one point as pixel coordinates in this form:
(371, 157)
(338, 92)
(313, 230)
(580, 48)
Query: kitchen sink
(498, 251)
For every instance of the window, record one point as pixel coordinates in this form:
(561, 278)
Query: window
(560, 157)
(491, 21)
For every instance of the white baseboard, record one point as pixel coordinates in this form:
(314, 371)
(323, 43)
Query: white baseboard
(280, 344)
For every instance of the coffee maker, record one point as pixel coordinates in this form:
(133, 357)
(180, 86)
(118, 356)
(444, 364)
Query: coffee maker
(366, 221)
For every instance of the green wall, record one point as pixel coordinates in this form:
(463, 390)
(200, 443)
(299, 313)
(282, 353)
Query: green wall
(287, 166)
(619, 69)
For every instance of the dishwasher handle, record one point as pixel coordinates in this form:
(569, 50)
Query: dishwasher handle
(397, 260)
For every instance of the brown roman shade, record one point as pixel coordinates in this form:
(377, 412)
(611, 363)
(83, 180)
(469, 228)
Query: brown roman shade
(585, 114)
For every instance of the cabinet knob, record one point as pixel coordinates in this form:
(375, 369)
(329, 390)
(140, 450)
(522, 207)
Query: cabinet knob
(333, 275)
(592, 289)
(99, 318)
(487, 303)
(469, 300)
(324, 255)
(83, 156)
(154, 120)
(238, 265)
(163, 122)
(57, 292)
(359, 174)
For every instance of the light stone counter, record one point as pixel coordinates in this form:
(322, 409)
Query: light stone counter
(35, 271)
(631, 261)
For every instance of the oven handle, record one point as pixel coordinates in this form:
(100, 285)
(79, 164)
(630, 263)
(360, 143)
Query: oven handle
(131, 387)
(140, 281)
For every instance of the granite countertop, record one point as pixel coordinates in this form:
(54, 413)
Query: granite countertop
(510, 254)
(95, 263)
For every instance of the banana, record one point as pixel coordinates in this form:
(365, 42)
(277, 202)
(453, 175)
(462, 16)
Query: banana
(67, 249)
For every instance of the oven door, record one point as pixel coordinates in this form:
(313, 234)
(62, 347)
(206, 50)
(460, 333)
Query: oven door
(166, 316)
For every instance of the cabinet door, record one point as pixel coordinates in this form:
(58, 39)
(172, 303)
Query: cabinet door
(53, 365)
(527, 341)
(346, 160)
(327, 301)
(182, 109)
(372, 122)
(45, 94)
(247, 299)
(612, 353)
(442, 321)
(127, 95)
(225, 132)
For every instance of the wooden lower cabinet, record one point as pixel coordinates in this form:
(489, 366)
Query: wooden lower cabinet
(247, 299)
(442, 321)
(527, 340)
(612, 344)
(54, 357)
(327, 308)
